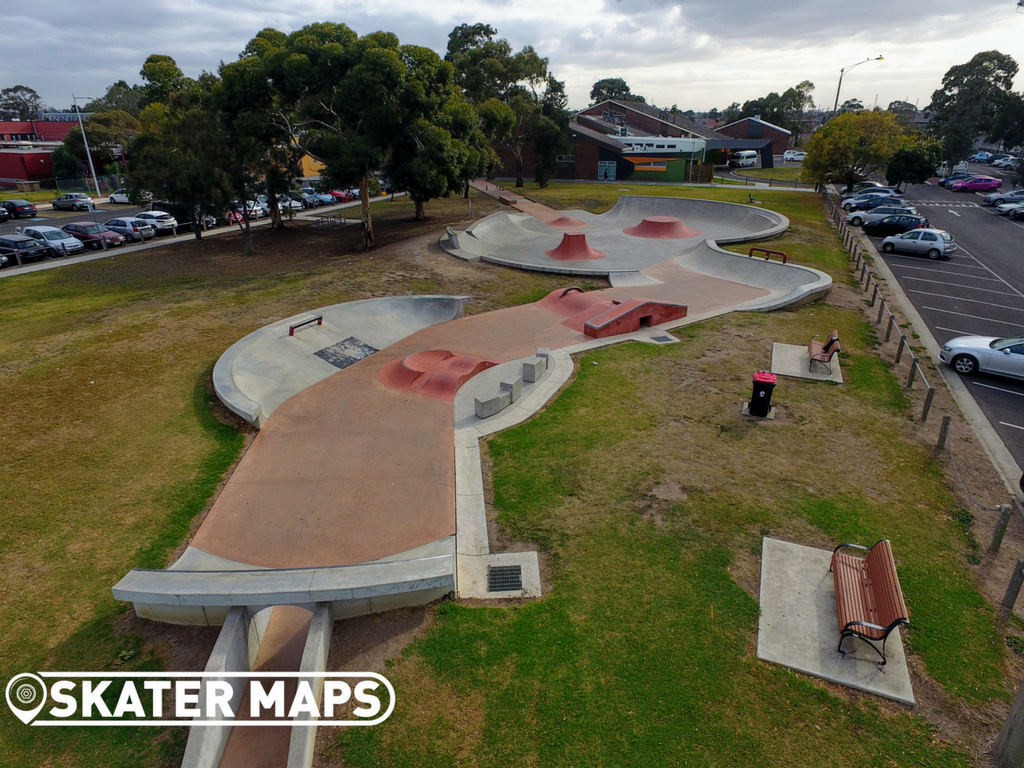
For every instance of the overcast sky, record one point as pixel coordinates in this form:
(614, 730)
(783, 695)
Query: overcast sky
(697, 54)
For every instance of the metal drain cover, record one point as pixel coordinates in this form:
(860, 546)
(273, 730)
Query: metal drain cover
(505, 578)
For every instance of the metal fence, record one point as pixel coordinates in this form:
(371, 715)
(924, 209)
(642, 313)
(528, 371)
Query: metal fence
(868, 281)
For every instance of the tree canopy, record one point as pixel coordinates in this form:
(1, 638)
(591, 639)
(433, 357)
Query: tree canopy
(119, 96)
(613, 88)
(852, 146)
(914, 163)
(20, 103)
(785, 110)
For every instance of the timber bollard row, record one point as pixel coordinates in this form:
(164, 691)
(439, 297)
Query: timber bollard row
(869, 282)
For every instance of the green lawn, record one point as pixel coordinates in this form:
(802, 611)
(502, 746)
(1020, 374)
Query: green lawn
(779, 173)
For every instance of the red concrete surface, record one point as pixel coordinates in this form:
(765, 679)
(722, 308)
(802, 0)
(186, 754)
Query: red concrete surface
(435, 373)
(662, 228)
(574, 247)
(630, 316)
(567, 222)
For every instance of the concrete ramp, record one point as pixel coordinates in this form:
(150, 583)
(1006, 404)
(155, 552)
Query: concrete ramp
(630, 316)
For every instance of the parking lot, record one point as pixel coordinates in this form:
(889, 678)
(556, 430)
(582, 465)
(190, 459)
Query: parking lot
(979, 291)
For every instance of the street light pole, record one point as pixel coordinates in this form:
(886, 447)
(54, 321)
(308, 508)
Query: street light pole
(842, 72)
(88, 154)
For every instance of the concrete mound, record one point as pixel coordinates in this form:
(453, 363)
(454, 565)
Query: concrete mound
(434, 373)
(574, 247)
(662, 228)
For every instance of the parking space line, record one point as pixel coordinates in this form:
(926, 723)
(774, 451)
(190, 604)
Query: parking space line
(899, 259)
(959, 285)
(992, 272)
(998, 389)
(1008, 424)
(957, 331)
(973, 317)
(972, 301)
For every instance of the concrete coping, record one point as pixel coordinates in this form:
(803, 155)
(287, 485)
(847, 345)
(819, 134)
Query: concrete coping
(285, 586)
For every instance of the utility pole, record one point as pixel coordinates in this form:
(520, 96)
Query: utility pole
(88, 154)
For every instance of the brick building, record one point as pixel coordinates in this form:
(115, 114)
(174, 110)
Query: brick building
(756, 128)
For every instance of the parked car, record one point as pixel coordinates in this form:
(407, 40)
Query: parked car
(895, 225)
(744, 158)
(4, 215)
(860, 186)
(342, 196)
(22, 247)
(287, 201)
(1004, 209)
(985, 354)
(93, 235)
(880, 212)
(976, 184)
(119, 196)
(998, 156)
(879, 201)
(18, 209)
(953, 178)
(792, 155)
(161, 221)
(980, 157)
(933, 243)
(72, 201)
(57, 242)
(232, 217)
(1016, 213)
(869, 192)
(134, 230)
(184, 217)
(998, 198)
(945, 170)
(323, 197)
(1006, 162)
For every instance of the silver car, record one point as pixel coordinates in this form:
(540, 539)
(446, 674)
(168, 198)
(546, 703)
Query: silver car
(998, 198)
(875, 214)
(134, 230)
(933, 243)
(57, 242)
(987, 354)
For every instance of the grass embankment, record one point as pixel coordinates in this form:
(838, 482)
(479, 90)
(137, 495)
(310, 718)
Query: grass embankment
(109, 440)
(650, 495)
(779, 173)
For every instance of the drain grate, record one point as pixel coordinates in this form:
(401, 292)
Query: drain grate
(663, 339)
(346, 352)
(505, 578)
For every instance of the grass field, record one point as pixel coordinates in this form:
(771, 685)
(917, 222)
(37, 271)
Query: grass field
(646, 492)
(779, 173)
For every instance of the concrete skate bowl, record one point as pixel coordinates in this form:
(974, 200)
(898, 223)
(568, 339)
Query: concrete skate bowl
(637, 233)
(262, 370)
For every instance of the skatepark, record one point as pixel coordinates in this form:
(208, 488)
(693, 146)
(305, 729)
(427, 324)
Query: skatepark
(363, 490)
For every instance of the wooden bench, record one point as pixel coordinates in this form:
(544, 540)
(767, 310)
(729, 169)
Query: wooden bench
(869, 600)
(823, 352)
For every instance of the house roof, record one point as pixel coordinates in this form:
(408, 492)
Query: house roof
(664, 116)
(756, 120)
(598, 138)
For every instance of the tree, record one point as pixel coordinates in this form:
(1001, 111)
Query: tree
(851, 105)
(66, 164)
(914, 163)
(20, 103)
(120, 96)
(613, 88)
(852, 146)
(904, 110)
(109, 134)
(185, 160)
(731, 113)
(487, 69)
(162, 78)
(969, 101)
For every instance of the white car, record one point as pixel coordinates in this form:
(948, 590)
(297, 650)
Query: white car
(792, 155)
(987, 354)
(57, 242)
(933, 243)
(1006, 162)
(119, 196)
(857, 218)
(162, 222)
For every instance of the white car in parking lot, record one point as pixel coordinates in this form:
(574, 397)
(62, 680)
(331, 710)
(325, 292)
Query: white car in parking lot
(933, 243)
(793, 155)
(857, 218)
(987, 354)
(1006, 162)
(161, 221)
(1004, 208)
(998, 198)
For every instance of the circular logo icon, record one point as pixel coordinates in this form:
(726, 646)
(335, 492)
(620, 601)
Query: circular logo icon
(24, 691)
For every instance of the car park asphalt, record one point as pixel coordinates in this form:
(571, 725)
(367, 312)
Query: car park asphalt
(979, 291)
(46, 215)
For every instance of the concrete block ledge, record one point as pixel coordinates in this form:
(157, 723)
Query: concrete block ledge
(298, 586)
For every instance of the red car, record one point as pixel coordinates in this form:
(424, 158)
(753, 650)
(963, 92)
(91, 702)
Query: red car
(93, 234)
(19, 208)
(976, 184)
(343, 196)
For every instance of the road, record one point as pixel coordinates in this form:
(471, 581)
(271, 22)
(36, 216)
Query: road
(59, 218)
(979, 291)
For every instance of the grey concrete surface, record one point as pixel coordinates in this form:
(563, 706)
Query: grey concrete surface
(799, 625)
(794, 360)
(314, 659)
(205, 745)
